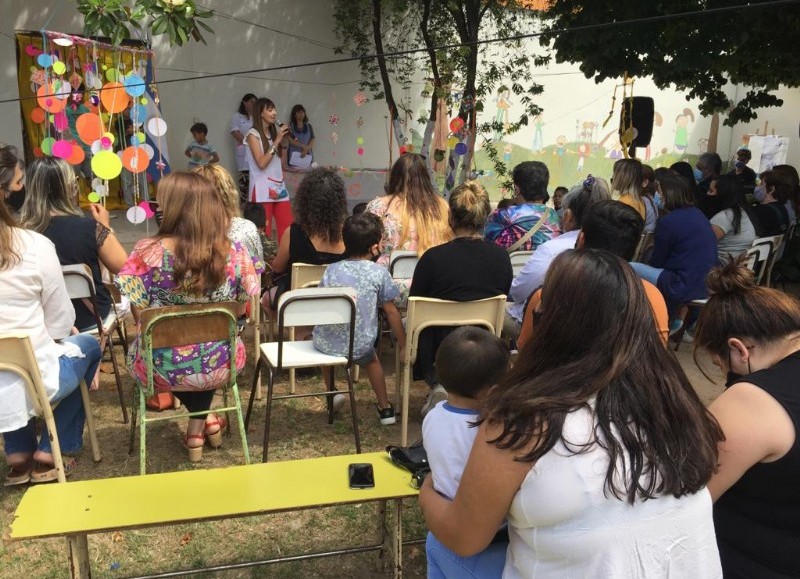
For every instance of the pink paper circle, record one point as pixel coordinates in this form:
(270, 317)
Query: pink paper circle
(62, 149)
(60, 121)
(147, 210)
(360, 151)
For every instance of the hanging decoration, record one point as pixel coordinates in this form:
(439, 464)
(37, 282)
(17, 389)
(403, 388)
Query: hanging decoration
(360, 99)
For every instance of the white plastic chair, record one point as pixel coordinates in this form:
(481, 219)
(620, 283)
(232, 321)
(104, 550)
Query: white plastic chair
(402, 264)
(80, 286)
(17, 357)
(518, 260)
(430, 312)
(308, 307)
(777, 243)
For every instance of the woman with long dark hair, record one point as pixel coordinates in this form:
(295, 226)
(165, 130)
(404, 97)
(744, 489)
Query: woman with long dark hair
(753, 334)
(771, 216)
(265, 143)
(732, 226)
(241, 122)
(300, 153)
(578, 448)
(190, 260)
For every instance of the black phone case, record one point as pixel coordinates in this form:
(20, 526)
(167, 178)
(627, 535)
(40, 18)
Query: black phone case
(361, 475)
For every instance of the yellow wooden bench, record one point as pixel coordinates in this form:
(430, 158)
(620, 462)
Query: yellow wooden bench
(77, 509)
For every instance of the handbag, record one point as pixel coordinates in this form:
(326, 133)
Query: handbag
(412, 458)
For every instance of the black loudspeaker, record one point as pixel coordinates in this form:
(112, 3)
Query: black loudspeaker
(642, 110)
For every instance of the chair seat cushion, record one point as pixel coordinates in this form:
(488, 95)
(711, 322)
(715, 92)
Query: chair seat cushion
(300, 354)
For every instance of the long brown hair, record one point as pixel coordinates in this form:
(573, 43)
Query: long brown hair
(224, 186)
(659, 437)
(9, 161)
(410, 184)
(196, 219)
(259, 107)
(739, 308)
(51, 188)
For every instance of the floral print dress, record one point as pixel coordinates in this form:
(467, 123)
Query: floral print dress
(147, 279)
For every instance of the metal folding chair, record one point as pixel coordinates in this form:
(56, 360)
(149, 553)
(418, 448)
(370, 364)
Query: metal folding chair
(518, 260)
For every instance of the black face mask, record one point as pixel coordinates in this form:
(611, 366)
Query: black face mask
(731, 378)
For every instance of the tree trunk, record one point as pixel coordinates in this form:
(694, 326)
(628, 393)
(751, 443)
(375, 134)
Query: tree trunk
(713, 134)
(387, 83)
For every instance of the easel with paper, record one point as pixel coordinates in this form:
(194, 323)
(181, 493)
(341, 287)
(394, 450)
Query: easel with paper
(767, 151)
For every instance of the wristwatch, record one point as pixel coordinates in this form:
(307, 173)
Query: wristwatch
(272, 151)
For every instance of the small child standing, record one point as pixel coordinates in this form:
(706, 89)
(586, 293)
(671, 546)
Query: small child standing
(374, 287)
(200, 151)
(468, 363)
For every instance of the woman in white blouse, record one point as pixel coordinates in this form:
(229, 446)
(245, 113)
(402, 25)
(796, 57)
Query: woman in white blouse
(36, 303)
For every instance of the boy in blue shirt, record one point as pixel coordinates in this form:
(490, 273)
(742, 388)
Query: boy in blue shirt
(200, 151)
(374, 287)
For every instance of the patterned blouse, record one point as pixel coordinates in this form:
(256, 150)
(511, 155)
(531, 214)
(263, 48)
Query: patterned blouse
(506, 226)
(147, 279)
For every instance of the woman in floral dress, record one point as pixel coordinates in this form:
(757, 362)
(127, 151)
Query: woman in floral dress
(190, 260)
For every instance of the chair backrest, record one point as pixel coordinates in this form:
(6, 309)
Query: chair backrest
(307, 275)
(774, 245)
(79, 282)
(16, 356)
(645, 244)
(427, 312)
(402, 263)
(758, 257)
(518, 260)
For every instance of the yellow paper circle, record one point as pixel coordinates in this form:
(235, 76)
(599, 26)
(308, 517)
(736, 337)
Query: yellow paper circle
(59, 67)
(110, 136)
(93, 197)
(106, 165)
(143, 101)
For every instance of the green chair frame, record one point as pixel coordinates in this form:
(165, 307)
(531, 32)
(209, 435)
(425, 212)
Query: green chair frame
(172, 326)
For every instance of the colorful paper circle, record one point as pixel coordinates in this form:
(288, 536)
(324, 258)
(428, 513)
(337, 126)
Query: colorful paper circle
(148, 211)
(138, 113)
(38, 153)
(77, 156)
(134, 85)
(112, 74)
(60, 121)
(59, 67)
(114, 97)
(136, 215)
(360, 151)
(44, 60)
(101, 190)
(461, 149)
(89, 127)
(148, 150)
(62, 149)
(47, 145)
(456, 124)
(135, 159)
(157, 127)
(93, 197)
(37, 115)
(106, 165)
(47, 98)
(360, 140)
(452, 142)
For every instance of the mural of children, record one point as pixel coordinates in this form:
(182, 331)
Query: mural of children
(682, 130)
(583, 152)
(561, 148)
(538, 140)
(507, 150)
(501, 118)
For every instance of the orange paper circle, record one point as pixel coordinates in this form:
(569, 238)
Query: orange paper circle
(37, 115)
(49, 101)
(134, 159)
(78, 155)
(89, 127)
(114, 97)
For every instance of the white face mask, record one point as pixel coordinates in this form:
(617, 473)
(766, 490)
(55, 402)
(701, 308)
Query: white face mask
(760, 193)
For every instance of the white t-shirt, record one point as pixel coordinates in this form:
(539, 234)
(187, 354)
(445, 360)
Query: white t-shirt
(447, 438)
(34, 303)
(563, 524)
(241, 123)
(266, 184)
(733, 244)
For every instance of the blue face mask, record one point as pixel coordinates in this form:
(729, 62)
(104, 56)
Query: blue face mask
(698, 175)
(658, 200)
(760, 193)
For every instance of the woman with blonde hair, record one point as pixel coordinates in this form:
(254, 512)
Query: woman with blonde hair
(414, 216)
(627, 181)
(241, 230)
(753, 334)
(51, 208)
(35, 303)
(190, 260)
(464, 269)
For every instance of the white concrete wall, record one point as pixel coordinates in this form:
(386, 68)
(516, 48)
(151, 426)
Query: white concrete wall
(568, 99)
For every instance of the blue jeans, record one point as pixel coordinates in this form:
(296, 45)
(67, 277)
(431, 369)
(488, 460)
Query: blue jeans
(647, 272)
(69, 415)
(444, 564)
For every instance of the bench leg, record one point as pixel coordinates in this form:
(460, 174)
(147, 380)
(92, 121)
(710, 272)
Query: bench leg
(79, 557)
(253, 393)
(392, 533)
(353, 414)
(268, 416)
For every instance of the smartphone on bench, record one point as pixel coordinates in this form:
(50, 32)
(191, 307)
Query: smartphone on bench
(361, 476)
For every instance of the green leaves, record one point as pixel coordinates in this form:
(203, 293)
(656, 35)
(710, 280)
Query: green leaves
(116, 19)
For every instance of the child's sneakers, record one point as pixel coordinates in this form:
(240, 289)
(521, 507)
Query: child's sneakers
(386, 415)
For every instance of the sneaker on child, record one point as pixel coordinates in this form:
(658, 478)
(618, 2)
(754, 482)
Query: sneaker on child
(386, 415)
(436, 395)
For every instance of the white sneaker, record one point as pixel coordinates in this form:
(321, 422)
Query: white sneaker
(436, 395)
(338, 402)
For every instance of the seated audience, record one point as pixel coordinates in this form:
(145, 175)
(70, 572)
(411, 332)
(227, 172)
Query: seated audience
(576, 203)
(320, 207)
(793, 205)
(12, 177)
(617, 228)
(190, 260)
(770, 215)
(732, 225)
(529, 223)
(568, 450)
(649, 190)
(628, 181)
(707, 169)
(684, 250)
(36, 303)
(558, 196)
(374, 288)
(469, 363)
(464, 269)
(745, 176)
(51, 208)
(753, 334)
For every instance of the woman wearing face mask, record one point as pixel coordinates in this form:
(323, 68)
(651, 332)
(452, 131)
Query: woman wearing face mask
(732, 225)
(771, 217)
(753, 333)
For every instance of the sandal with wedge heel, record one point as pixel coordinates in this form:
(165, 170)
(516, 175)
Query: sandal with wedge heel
(189, 443)
(213, 431)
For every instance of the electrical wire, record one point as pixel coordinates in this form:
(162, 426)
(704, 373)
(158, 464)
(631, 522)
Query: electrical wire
(399, 53)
